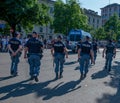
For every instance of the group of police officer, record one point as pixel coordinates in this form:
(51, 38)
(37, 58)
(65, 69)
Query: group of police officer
(34, 48)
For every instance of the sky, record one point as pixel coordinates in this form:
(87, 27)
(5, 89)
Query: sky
(96, 4)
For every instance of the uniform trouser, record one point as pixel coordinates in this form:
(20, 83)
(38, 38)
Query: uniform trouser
(3, 48)
(14, 63)
(84, 63)
(34, 62)
(59, 60)
(95, 55)
(108, 62)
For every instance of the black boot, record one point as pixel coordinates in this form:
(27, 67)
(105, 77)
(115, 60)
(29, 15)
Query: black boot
(61, 76)
(81, 76)
(56, 76)
(109, 69)
(36, 78)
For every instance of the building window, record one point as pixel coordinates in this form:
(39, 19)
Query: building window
(89, 19)
(41, 29)
(97, 26)
(109, 14)
(109, 9)
(98, 21)
(50, 30)
(115, 8)
(93, 20)
(51, 9)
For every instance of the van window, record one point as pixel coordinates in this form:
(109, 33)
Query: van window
(72, 37)
(78, 37)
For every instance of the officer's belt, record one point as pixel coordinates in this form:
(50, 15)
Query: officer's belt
(59, 53)
(34, 54)
(84, 54)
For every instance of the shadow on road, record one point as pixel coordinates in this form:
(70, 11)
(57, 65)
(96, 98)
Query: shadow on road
(22, 88)
(77, 68)
(5, 78)
(62, 90)
(100, 74)
(114, 83)
(70, 63)
(40, 89)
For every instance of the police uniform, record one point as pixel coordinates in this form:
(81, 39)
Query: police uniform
(85, 57)
(109, 55)
(94, 47)
(79, 45)
(14, 43)
(59, 57)
(34, 56)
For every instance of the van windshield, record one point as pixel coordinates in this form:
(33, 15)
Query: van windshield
(75, 37)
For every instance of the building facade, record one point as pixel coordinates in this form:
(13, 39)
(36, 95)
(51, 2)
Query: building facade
(108, 11)
(94, 19)
(45, 31)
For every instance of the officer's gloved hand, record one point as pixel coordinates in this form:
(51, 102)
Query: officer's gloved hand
(92, 61)
(78, 60)
(114, 56)
(66, 56)
(103, 55)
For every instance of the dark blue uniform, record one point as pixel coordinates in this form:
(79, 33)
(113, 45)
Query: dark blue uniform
(14, 44)
(86, 47)
(59, 56)
(109, 55)
(34, 55)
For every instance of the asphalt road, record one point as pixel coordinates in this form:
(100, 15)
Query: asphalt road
(99, 86)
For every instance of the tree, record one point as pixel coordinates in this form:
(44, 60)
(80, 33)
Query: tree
(68, 16)
(100, 34)
(24, 13)
(112, 27)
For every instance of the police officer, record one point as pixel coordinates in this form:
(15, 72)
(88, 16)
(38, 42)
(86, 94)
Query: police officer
(84, 54)
(58, 52)
(95, 48)
(110, 52)
(34, 49)
(15, 47)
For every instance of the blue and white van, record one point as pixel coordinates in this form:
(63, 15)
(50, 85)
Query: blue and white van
(74, 37)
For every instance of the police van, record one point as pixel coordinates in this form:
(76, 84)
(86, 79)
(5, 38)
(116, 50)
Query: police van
(74, 37)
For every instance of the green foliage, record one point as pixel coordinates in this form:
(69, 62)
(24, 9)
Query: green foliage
(112, 27)
(23, 12)
(68, 16)
(100, 34)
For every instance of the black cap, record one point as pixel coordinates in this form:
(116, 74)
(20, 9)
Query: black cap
(110, 40)
(17, 33)
(34, 32)
(59, 36)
